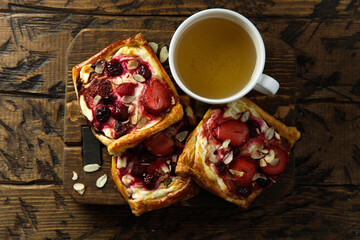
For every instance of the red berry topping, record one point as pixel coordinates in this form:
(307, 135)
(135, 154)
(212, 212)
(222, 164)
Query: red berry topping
(100, 87)
(243, 191)
(102, 114)
(156, 98)
(138, 170)
(150, 180)
(113, 68)
(244, 170)
(161, 144)
(280, 165)
(144, 71)
(234, 130)
(125, 89)
(221, 167)
(120, 113)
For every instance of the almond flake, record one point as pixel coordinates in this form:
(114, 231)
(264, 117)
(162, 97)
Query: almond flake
(262, 163)
(269, 133)
(258, 175)
(236, 172)
(75, 176)
(173, 101)
(213, 158)
(99, 68)
(226, 143)
(128, 99)
(181, 136)
(228, 158)
(245, 116)
(91, 167)
(273, 180)
(274, 161)
(258, 131)
(131, 108)
(256, 155)
(277, 136)
(101, 181)
(264, 151)
(79, 187)
(117, 81)
(270, 156)
(164, 54)
(141, 122)
(154, 46)
(139, 78)
(168, 162)
(165, 168)
(97, 99)
(132, 64)
(134, 118)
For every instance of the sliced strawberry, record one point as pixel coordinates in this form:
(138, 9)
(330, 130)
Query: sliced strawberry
(161, 144)
(100, 87)
(125, 89)
(243, 170)
(235, 130)
(280, 166)
(156, 98)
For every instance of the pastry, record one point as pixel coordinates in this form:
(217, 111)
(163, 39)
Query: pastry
(237, 151)
(145, 175)
(125, 94)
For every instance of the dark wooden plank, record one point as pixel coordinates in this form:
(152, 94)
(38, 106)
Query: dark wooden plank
(329, 150)
(93, 195)
(319, 212)
(31, 140)
(327, 53)
(268, 8)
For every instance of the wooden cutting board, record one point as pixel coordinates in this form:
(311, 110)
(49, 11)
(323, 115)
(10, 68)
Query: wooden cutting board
(281, 64)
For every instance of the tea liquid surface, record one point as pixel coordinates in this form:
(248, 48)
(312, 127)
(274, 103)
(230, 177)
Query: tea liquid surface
(215, 58)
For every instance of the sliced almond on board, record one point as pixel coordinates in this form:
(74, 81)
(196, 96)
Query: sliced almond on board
(101, 181)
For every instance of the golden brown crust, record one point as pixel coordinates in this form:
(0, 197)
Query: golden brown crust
(129, 140)
(193, 161)
(185, 189)
(291, 134)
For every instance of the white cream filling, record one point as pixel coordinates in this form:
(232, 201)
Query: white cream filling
(143, 54)
(120, 162)
(201, 146)
(142, 193)
(85, 73)
(85, 110)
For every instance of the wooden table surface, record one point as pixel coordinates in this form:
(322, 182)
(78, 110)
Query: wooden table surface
(324, 200)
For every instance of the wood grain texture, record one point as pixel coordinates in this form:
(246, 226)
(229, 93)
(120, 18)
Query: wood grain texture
(31, 135)
(324, 202)
(268, 8)
(322, 212)
(330, 155)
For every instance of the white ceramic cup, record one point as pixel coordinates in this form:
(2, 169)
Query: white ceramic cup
(259, 81)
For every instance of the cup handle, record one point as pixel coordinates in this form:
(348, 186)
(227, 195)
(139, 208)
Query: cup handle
(267, 85)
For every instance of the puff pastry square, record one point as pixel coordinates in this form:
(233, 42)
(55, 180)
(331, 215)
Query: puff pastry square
(237, 151)
(145, 175)
(125, 94)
